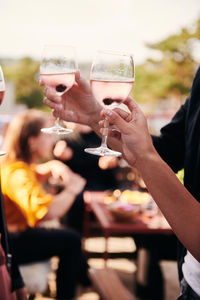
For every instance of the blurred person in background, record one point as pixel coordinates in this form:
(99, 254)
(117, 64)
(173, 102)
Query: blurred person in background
(27, 204)
(100, 173)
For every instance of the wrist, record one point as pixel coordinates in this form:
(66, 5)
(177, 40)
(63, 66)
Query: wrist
(70, 192)
(145, 158)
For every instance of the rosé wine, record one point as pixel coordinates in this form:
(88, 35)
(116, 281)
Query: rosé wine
(60, 82)
(111, 92)
(1, 96)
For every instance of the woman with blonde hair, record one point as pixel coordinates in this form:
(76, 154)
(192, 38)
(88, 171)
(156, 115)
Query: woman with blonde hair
(27, 203)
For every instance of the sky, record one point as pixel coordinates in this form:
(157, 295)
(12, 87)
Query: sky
(89, 25)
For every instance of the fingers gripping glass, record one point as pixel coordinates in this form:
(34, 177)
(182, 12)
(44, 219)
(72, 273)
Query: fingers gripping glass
(57, 71)
(111, 79)
(2, 93)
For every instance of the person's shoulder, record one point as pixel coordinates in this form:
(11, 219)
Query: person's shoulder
(197, 74)
(196, 83)
(16, 164)
(15, 174)
(13, 167)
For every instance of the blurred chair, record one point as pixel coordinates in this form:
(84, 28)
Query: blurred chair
(35, 277)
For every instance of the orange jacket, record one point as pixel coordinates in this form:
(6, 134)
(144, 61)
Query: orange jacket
(25, 200)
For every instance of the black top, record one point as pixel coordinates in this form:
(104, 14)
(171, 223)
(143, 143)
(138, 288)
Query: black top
(179, 145)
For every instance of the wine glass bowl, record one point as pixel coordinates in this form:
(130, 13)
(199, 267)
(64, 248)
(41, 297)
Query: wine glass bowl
(57, 71)
(60, 82)
(111, 79)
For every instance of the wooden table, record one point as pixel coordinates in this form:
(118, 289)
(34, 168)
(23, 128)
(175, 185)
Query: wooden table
(140, 225)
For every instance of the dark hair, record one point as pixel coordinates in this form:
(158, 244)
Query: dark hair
(21, 128)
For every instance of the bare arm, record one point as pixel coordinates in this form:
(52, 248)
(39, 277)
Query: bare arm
(72, 184)
(179, 207)
(55, 169)
(63, 201)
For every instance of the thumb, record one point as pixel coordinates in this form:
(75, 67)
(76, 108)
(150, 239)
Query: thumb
(82, 83)
(115, 119)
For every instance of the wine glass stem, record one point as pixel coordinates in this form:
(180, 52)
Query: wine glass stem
(104, 141)
(105, 134)
(57, 122)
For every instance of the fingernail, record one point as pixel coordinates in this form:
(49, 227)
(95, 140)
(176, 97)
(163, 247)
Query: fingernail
(70, 113)
(109, 112)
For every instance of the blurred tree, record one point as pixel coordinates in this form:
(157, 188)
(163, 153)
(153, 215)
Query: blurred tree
(24, 73)
(172, 75)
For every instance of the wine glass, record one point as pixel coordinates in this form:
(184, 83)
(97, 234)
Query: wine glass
(2, 93)
(57, 71)
(111, 79)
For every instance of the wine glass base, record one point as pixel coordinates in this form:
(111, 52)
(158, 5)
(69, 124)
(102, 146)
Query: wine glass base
(102, 151)
(2, 153)
(57, 130)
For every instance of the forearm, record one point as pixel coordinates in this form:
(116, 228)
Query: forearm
(179, 207)
(60, 205)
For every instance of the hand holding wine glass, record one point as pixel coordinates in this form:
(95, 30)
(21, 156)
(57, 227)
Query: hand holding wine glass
(57, 72)
(78, 105)
(111, 78)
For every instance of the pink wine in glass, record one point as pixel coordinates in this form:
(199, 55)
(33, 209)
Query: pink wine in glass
(60, 82)
(1, 96)
(111, 93)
